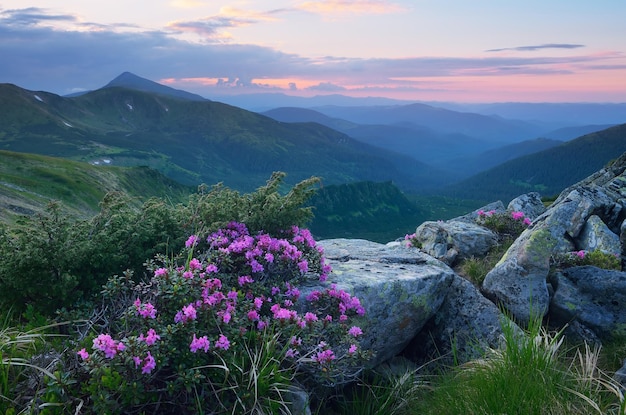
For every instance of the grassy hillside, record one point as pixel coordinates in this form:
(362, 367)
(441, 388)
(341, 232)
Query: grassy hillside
(547, 172)
(193, 142)
(28, 182)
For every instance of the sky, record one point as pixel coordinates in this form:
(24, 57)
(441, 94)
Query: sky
(417, 50)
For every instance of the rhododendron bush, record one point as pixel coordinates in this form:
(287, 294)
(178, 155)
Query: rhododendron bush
(221, 328)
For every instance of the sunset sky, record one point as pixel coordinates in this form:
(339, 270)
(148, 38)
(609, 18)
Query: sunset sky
(422, 50)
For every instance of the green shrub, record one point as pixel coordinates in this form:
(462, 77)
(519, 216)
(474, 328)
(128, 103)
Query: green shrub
(596, 258)
(53, 260)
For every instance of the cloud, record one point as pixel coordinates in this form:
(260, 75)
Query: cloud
(212, 27)
(327, 7)
(39, 57)
(539, 47)
(32, 16)
(326, 87)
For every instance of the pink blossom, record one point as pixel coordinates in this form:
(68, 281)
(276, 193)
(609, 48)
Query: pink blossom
(258, 302)
(83, 354)
(199, 343)
(269, 257)
(352, 349)
(304, 266)
(355, 331)
(160, 272)
(295, 341)
(222, 342)
(580, 254)
(191, 241)
(527, 221)
(145, 310)
(137, 361)
(188, 275)
(194, 264)
(253, 315)
(244, 279)
(106, 344)
(291, 353)
(256, 266)
(150, 338)
(211, 268)
(325, 356)
(517, 215)
(310, 317)
(148, 365)
(232, 295)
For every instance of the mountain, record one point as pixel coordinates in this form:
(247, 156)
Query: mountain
(567, 133)
(470, 164)
(194, 142)
(296, 114)
(547, 172)
(28, 182)
(485, 128)
(132, 81)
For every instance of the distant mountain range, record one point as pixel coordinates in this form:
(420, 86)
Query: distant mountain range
(361, 152)
(194, 141)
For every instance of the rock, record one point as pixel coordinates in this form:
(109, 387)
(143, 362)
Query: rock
(400, 288)
(620, 376)
(592, 296)
(495, 207)
(596, 235)
(518, 281)
(463, 328)
(530, 204)
(455, 240)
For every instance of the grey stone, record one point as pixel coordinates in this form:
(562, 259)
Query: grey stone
(400, 288)
(529, 203)
(596, 235)
(592, 296)
(455, 240)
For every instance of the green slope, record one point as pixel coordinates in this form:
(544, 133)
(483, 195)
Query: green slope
(547, 172)
(28, 182)
(193, 142)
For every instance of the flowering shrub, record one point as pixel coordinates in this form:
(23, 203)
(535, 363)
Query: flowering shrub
(217, 329)
(596, 258)
(507, 225)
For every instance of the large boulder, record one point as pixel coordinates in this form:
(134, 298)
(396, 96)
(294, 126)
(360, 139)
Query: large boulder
(454, 240)
(400, 288)
(529, 203)
(463, 328)
(519, 280)
(596, 235)
(593, 297)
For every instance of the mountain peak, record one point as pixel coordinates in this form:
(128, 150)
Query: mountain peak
(132, 81)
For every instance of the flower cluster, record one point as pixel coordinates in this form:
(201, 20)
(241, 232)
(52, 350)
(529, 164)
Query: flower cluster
(203, 310)
(508, 225)
(596, 258)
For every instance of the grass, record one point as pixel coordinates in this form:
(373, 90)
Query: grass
(533, 373)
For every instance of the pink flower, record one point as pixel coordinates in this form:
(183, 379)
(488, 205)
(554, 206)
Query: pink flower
(137, 361)
(527, 221)
(517, 215)
(580, 254)
(481, 212)
(148, 364)
(253, 315)
(244, 279)
(160, 272)
(146, 310)
(83, 354)
(192, 241)
(355, 331)
(222, 342)
(188, 275)
(151, 338)
(304, 266)
(291, 353)
(310, 317)
(325, 356)
(199, 343)
(258, 302)
(194, 264)
(211, 268)
(352, 349)
(106, 344)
